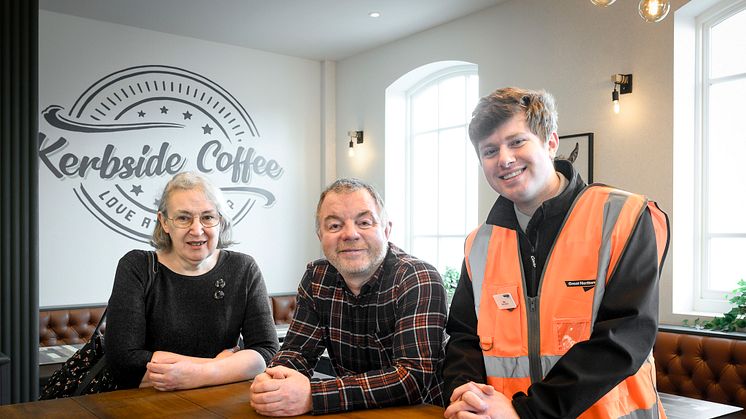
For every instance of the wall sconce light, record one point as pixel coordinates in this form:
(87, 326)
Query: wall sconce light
(356, 137)
(650, 10)
(622, 85)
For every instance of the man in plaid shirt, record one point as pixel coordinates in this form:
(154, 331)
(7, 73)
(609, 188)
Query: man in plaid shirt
(379, 313)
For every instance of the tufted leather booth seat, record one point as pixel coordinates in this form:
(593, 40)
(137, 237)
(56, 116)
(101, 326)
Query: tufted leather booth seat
(283, 308)
(702, 365)
(75, 324)
(68, 325)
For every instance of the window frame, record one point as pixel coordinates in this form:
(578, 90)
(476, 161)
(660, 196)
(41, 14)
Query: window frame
(434, 78)
(707, 299)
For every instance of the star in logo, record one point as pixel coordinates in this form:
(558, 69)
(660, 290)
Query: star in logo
(136, 189)
(141, 114)
(187, 115)
(164, 109)
(207, 129)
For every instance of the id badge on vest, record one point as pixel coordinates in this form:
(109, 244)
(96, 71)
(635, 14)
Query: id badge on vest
(505, 301)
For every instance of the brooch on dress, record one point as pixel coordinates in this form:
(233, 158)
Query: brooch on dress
(219, 294)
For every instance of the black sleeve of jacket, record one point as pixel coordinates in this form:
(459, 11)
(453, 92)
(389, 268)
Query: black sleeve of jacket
(622, 337)
(463, 359)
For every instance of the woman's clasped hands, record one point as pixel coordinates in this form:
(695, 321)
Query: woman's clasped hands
(169, 371)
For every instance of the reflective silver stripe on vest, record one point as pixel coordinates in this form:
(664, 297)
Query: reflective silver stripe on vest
(547, 362)
(478, 262)
(651, 413)
(612, 208)
(516, 367)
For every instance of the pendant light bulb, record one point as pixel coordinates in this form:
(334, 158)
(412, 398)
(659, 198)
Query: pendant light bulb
(603, 3)
(351, 150)
(654, 10)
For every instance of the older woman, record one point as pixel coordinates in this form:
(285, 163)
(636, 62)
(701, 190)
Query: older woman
(183, 330)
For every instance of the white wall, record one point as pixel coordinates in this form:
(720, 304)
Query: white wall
(280, 94)
(570, 48)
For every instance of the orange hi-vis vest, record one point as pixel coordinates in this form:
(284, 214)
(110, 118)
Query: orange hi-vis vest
(523, 337)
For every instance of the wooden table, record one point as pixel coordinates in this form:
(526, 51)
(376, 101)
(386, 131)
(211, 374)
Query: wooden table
(226, 401)
(680, 407)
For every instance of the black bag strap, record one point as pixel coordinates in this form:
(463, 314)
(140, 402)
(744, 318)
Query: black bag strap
(94, 372)
(100, 322)
(152, 272)
(100, 364)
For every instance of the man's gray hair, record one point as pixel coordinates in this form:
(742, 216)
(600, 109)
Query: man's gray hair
(348, 185)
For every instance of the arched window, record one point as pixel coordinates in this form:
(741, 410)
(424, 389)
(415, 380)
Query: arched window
(437, 174)
(723, 143)
(709, 171)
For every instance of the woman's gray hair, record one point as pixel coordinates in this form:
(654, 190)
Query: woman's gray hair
(188, 181)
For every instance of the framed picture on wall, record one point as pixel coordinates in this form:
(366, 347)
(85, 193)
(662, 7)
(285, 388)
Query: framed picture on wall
(578, 148)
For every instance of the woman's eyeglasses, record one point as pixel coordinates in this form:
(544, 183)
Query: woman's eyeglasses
(186, 220)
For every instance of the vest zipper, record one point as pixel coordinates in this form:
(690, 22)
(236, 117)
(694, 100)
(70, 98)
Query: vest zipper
(534, 332)
(536, 372)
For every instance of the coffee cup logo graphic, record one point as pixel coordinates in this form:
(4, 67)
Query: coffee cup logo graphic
(131, 131)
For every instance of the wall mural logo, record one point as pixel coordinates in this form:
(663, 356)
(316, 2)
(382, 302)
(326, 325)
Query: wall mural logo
(132, 130)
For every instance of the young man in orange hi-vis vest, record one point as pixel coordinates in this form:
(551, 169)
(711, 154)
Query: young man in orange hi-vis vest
(556, 310)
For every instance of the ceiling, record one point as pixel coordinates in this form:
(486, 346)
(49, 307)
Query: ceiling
(313, 29)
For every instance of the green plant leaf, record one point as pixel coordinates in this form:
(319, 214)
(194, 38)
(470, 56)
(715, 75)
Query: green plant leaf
(731, 320)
